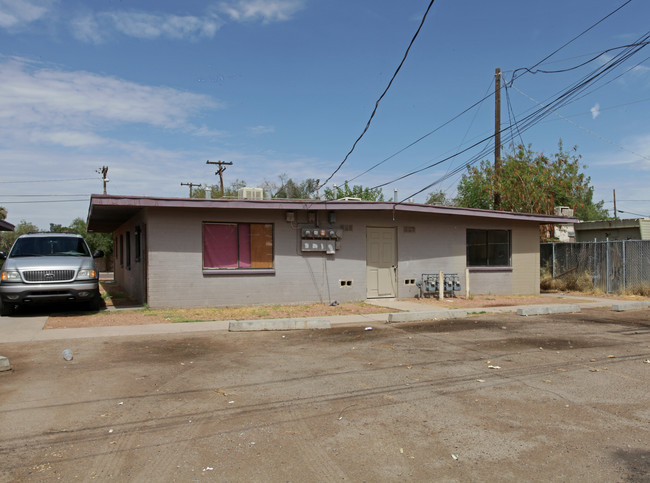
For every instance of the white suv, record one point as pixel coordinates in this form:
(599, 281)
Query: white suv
(49, 267)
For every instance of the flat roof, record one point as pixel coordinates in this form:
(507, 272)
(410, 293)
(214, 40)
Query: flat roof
(610, 224)
(107, 212)
(6, 226)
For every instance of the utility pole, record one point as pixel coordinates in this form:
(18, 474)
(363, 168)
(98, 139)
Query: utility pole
(191, 185)
(615, 216)
(104, 172)
(220, 170)
(497, 137)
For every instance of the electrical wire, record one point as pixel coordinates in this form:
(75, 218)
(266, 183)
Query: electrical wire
(511, 115)
(630, 213)
(514, 74)
(43, 201)
(372, 115)
(49, 180)
(536, 116)
(44, 196)
(478, 103)
(586, 130)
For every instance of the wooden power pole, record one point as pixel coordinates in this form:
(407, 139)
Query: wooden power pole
(497, 137)
(220, 170)
(615, 212)
(104, 172)
(191, 185)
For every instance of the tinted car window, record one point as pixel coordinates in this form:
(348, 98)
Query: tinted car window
(49, 246)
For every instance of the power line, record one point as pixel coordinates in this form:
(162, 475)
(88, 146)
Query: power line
(588, 131)
(44, 196)
(477, 103)
(43, 201)
(48, 180)
(570, 41)
(635, 214)
(637, 44)
(372, 115)
(560, 100)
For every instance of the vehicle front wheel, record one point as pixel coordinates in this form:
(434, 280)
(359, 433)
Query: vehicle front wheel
(95, 304)
(7, 309)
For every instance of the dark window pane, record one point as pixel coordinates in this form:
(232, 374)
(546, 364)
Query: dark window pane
(488, 248)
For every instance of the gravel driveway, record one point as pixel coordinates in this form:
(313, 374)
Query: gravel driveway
(494, 397)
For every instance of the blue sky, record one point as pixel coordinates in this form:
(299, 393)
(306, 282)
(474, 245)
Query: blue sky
(153, 89)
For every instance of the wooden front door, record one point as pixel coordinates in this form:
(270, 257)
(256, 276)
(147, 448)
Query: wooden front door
(381, 262)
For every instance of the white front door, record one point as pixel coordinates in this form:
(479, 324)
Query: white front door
(381, 262)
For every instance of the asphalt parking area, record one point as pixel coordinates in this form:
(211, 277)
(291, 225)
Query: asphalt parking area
(492, 397)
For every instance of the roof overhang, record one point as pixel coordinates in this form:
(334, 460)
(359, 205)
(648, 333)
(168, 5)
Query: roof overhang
(6, 226)
(609, 224)
(107, 212)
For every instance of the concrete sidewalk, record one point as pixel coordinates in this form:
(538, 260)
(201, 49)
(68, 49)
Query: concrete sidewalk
(30, 329)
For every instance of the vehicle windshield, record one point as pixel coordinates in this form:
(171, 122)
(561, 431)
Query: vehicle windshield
(49, 246)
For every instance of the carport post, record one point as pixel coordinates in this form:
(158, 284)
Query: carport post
(467, 283)
(441, 285)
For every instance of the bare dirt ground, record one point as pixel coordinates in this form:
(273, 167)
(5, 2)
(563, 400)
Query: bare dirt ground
(494, 397)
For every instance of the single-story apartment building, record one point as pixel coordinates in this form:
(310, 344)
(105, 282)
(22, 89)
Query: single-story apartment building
(189, 252)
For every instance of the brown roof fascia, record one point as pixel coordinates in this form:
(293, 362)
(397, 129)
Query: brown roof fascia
(6, 226)
(118, 201)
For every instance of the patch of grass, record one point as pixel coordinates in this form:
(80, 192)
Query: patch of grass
(181, 315)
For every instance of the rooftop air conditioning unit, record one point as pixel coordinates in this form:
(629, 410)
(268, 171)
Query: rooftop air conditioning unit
(250, 193)
(563, 211)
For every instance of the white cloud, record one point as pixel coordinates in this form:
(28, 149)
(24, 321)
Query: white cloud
(100, 26)
(265, 10)
(595, 111)
(16, 13)
(66, 104)
(257, 130)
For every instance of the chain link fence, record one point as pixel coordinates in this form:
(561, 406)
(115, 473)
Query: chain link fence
(614, 266)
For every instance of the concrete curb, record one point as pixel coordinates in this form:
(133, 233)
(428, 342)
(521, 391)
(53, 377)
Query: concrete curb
(623, 306)
(548, 309)
(278, 324)
(422, 316)
(4, 364)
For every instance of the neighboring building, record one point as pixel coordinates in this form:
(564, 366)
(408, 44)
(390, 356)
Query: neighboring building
(177, 252)
(627, 229)
(564, 232)
(5, 226)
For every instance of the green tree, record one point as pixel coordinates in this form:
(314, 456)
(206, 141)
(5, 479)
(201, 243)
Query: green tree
(532, 183)
(96, 241)
(215, 190)
(438, 198)
(303, 190)
(7, 238)
(356, 191)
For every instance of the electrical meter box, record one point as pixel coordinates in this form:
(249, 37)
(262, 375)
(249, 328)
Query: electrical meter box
(326, 240)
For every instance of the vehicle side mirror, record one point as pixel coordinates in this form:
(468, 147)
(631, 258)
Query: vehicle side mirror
(98, 254)
(3, 256)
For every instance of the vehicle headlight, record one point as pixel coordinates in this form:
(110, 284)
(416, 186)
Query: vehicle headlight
(86, 274)
(10, 276)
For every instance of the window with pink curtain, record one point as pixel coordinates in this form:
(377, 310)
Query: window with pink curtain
(237, 245)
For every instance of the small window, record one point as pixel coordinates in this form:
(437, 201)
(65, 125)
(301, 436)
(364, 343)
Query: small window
(128, 250)
(237, 245)
(138, 244)
(488, 248)
(121, 250)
